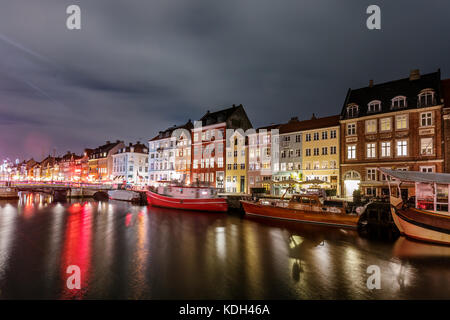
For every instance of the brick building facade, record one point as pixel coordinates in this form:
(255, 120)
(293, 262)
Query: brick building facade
(397, 124)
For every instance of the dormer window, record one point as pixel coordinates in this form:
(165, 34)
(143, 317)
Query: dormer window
(399, 102)
(352, 111)
(426, 98)
(374, 106)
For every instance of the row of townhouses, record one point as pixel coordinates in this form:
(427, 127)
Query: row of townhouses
(402, 124)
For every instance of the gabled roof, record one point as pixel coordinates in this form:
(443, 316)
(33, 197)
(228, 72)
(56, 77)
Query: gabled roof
(219, 116)
(168, 132)
(138, 147)
(384, 92)
(295, 125)
(105, 148)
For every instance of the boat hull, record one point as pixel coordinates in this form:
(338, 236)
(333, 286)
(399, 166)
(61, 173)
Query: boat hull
(419, 230)
(8, 193)
(329, 219)
(124, 195)
(200, 204)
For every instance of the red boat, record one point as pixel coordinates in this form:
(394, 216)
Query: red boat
(187, 198)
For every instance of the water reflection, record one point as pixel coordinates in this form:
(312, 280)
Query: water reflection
(135, 252)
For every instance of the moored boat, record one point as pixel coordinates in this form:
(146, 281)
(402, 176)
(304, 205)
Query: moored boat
(124, 195)
(187, 198)
(427, 218)
(8, 192)
(307, 208)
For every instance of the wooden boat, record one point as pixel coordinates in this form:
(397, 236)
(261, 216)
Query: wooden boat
(187, 198)
(427, 218)
(307, 208)
(8, 192)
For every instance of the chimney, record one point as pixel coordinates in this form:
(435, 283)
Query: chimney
(370, 83)
(108, 142)
(234, 106)
(414, 75)
(131, 144)
(313, 117)
(294, 119)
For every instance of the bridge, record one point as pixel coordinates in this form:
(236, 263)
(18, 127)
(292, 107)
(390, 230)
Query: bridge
(61, 189)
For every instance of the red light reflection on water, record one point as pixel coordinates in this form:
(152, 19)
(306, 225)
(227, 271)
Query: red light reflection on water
(77, 248)
(128, 219)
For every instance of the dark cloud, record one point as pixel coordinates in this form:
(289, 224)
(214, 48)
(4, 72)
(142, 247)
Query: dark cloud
(137, 66)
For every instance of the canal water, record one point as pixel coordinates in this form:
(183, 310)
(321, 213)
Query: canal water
(125, 251)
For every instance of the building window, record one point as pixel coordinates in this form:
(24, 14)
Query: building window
(352, 111)
(351, 129)
(298, 138)
(219, 162)
(332, 134)
(371, 150)
(298, 153)
(308, 137)
(333, 164)
(426, 119)
(402, 148)
(399, 102)
(351, 152)
(371, 174)
(426, 99)
(324, 151)
(374, 106)
(427, 169)
(316, 136)
(308, 152)
(371, 191)
(401, 122)
(324, 135)
(385, 124)
(386, 149)
(333, 150)
(426, 146)
(316, 151)
(371, 126)
(316, 165)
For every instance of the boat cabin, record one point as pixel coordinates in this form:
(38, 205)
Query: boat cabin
(431, 190)
(184, 192)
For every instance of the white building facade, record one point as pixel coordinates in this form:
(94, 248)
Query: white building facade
(130, 165)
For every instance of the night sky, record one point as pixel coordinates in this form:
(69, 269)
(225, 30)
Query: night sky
(137, 67)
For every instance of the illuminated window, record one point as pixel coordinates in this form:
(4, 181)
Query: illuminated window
(371, 126)
(385, 124)
(386, 149)
(426, 146)
(371, 150)
(426, 99)
(401, 122)
(402, 148)
(351, 152)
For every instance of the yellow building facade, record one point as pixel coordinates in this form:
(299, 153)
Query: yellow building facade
(320, 152)
(236, 179)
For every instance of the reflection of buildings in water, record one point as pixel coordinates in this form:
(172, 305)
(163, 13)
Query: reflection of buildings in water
(8, 220)
(29, 202)
(77, 248)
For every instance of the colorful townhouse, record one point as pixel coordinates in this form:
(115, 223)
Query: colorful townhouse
(130, 164)
(263, 157)
(236, 179)
(290, 156)
(396, 124)
(320, 149)
(209, 144)
(101, 161)
(167, 150)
